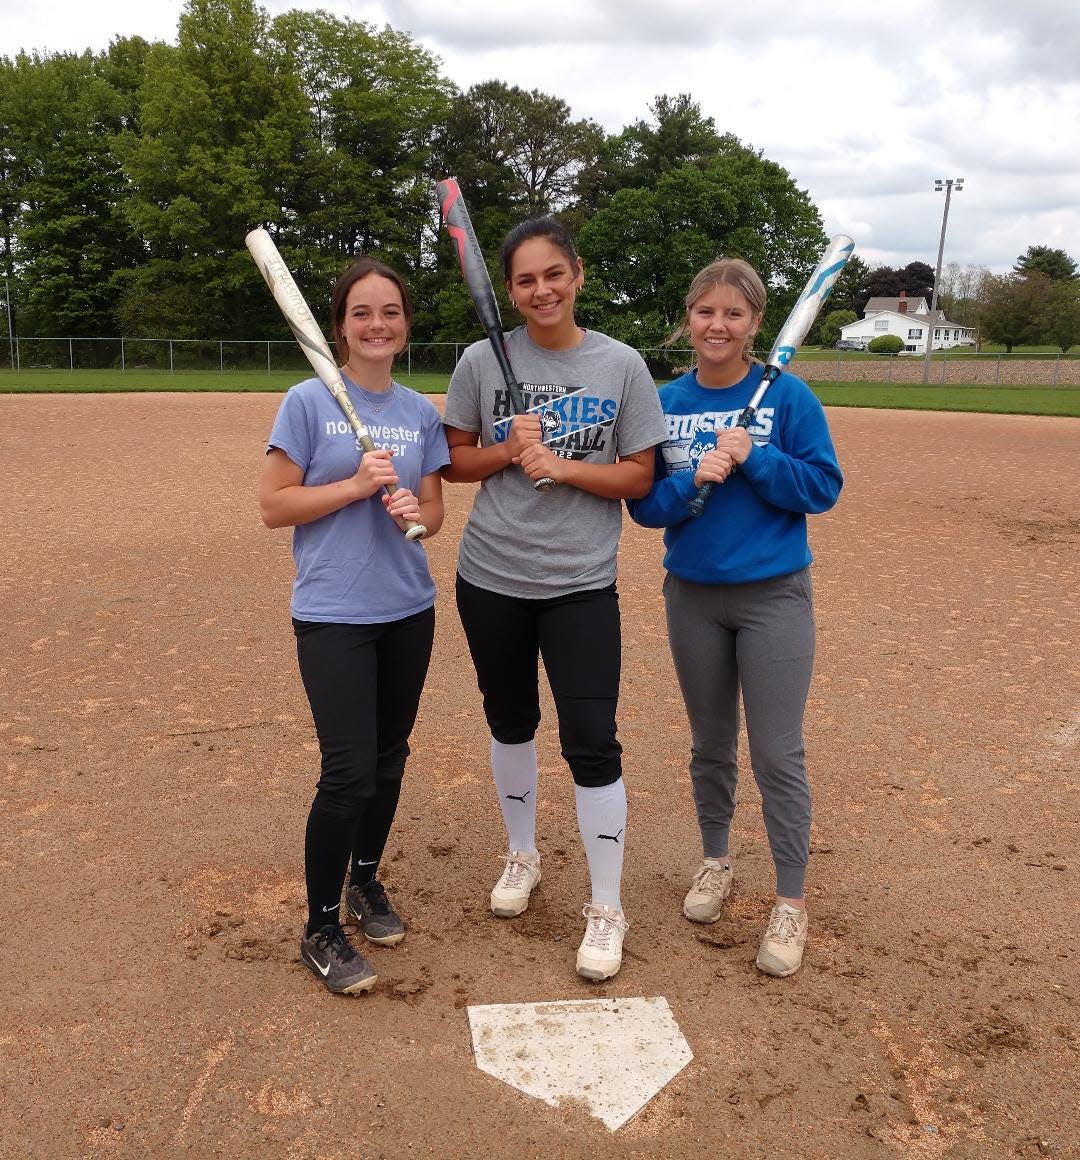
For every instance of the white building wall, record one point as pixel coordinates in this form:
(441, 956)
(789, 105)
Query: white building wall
(911, 328)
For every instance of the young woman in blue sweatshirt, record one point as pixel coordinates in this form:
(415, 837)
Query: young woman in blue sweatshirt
(737, 592)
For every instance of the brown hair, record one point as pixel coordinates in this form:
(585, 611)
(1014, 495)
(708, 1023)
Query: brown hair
(361, 268)
(733, 272)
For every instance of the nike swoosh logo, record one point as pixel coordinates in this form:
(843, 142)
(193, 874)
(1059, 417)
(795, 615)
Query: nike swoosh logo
(328, 909)
(324, 971)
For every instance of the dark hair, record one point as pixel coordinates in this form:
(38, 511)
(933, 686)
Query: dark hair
(537, 227)
(361, 268)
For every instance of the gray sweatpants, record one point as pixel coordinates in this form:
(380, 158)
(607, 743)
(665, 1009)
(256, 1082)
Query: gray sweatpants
(759, 636)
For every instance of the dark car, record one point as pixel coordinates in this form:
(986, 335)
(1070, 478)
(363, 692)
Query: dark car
(851, 344)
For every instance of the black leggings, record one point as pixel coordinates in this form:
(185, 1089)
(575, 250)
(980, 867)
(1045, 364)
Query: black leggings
(363, 682)
(578, 635)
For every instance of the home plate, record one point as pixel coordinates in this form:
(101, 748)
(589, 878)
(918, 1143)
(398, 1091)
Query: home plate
(611, 1055)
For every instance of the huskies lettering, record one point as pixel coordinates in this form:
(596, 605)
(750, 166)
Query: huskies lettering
(684, 428)
(584, 410)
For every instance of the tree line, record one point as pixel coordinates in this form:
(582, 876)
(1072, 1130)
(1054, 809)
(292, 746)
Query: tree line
(129, 178)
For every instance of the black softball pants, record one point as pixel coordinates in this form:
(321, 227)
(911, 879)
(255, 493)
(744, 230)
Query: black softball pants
(578, 635)
(363, 682)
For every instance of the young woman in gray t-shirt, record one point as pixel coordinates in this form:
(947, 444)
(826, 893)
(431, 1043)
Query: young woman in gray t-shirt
(536, 569)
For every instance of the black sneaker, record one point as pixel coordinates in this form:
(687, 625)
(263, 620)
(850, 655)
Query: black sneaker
(375, 913)
(329, 954)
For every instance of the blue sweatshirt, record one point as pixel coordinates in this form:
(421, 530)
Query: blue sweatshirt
(754, 524)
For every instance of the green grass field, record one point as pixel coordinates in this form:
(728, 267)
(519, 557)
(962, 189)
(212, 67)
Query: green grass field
(1061, 401)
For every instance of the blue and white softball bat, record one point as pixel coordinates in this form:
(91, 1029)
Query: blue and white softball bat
(799, 321)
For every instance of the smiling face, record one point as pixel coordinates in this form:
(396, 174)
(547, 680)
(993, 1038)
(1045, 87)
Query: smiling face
(543, 284)
(722, 325)
(374, 325)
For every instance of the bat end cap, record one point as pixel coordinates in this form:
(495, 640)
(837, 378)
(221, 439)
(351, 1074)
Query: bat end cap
(416, 532)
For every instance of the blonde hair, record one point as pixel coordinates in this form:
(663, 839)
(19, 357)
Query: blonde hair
(733, 272)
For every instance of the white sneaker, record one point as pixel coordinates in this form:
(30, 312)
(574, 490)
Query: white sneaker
(511, 894)
(711, 885)
(600, 953)
(781, 950)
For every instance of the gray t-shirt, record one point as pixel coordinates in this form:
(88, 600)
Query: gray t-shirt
(597, 402)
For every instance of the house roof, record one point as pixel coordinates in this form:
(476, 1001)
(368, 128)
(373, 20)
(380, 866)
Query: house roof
(920, 319)
(877, 305)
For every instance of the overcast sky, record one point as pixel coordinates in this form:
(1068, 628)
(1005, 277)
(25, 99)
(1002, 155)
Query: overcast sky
(864, 104)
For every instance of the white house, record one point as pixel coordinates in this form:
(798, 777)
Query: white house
(908, 319)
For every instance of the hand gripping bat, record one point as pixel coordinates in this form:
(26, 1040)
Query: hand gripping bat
(791, 335)
(473, 267)
(288, 297)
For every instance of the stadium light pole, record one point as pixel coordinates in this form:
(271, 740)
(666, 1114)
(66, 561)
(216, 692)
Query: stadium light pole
(948, 184)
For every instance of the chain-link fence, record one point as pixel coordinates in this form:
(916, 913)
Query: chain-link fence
(158, 354)
(223, 356)
(192, 354)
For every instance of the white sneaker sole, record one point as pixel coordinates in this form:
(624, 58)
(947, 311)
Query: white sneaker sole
(598, 972)
(390, 940)
(508, 909)
(772, 966)
(359, 988)
(701, 918)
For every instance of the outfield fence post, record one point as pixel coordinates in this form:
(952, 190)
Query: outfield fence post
(267, 356)
(170, 357)
(1054, 376)
(123, 363)
(18, 355)
(997, 372)
(221, 356)
(71, 356)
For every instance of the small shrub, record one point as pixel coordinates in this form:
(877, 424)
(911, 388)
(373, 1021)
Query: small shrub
(886, 344)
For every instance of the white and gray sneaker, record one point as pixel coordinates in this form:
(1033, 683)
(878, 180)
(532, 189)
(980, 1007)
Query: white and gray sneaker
(781, 950)
(511, 894)
(711, 885)
(600, 954)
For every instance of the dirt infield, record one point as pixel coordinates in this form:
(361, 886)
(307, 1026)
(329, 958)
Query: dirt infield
(159, 761)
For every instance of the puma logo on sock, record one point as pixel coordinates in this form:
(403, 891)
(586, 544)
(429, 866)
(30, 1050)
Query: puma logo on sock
(513, 797)
(611, 837)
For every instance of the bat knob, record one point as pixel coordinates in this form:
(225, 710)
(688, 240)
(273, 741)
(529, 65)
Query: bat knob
(416, 532)
(545, 484)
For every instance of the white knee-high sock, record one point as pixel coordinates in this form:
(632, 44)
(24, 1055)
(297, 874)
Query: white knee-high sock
(601, 812)
(515, 773)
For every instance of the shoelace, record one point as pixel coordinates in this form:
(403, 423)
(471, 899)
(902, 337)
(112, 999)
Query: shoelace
(333, 941)
(783, 928)
(709, 880)
(375, 895)
(601, 926)
(515, 872)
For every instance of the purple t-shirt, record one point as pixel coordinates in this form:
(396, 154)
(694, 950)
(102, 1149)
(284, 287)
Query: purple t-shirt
(355, 566)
